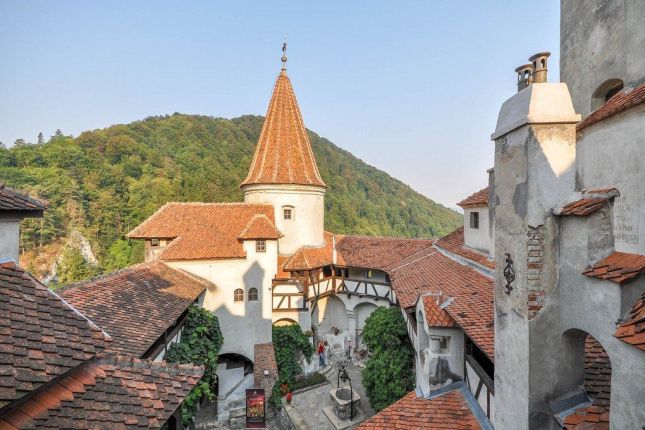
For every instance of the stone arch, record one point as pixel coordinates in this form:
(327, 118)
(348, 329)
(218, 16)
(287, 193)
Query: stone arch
(586, 364)
(361, 312)
(605, 91)
(232, 368)
(284, 321)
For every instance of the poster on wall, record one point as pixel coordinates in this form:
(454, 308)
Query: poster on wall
(255, 408)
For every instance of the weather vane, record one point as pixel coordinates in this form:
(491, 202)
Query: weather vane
(284, 54)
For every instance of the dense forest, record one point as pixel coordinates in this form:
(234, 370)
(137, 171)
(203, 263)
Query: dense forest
(104, 182)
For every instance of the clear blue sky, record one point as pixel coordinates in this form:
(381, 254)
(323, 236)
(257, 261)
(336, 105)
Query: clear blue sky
(410, 87)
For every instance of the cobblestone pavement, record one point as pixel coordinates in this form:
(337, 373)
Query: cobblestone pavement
(306, 409)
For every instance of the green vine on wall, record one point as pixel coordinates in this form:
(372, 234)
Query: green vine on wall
(200, 343)
(287, 342)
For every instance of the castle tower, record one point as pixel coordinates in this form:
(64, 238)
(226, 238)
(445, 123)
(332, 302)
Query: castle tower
(284, 171)
(534, 170)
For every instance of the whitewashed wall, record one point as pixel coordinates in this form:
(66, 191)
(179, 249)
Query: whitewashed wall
(306, 227)
(481, 238)
(244, 323)
(9, 238)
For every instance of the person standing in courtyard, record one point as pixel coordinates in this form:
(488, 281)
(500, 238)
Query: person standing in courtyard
(321, 353)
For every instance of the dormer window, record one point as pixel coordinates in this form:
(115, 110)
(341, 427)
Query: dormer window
(260, 246)
(287, 213)
(474, 220)
(154, 242)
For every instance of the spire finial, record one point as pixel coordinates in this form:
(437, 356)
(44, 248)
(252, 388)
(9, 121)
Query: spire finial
(284, 54)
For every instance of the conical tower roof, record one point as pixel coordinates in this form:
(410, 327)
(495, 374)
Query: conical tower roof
(283, 154)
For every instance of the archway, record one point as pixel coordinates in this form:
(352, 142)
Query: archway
(586, 364)
(362, 311)
(231, 369)
(284, 322)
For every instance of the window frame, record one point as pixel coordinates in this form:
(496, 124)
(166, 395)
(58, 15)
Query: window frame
(253, 295)
(474, 220)
(260, 245)
(289, 210)
(155, 242)
(238, 295)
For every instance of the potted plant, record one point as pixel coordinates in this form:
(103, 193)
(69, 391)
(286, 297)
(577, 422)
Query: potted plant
(284, 388)
(289, 396)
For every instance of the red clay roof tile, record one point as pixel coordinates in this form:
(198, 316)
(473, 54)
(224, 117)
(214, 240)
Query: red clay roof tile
(625, 99)
(454, 243)
(618, 267)
(448, 411)
(436, 315)
(472, 296)
(480, 198)
(585, 202)
(42, 337)
(135, 306)
(283, 154)
(201, 230)
(112, 391)
(12, 200)
(260, 227)
(632, 330)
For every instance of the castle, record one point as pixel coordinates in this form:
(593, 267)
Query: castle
(530, 316)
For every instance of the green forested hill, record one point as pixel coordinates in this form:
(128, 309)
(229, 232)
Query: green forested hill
(104, 182)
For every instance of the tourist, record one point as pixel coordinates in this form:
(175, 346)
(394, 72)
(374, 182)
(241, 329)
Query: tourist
(321, 353)
(327, 347)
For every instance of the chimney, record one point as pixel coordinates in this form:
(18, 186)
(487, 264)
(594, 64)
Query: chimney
(523, 76)
(539, 64)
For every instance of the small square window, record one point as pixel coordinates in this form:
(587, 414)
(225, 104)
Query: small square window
(154, 242)
(288, 213)
(260, 246)
(474, 220)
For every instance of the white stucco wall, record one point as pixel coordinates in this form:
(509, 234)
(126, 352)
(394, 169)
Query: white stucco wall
(244, 323)
(306, 226)
(610, 153)
(479, 239)
(9, 238)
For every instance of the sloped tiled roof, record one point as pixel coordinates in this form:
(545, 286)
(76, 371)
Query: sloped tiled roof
(436, 315)
(472, 305)
(625, 99)
(12, 200)
(41, 336)
(480, 198)
(368, 252)
(588, 418)
(454, 243)
(283, 154)
(618, 267)
(632, 330)
(112, 392)
(135, 306)
(585, 202)
(260, 227)
(201, 230)
(448, 411)
(380, 253)
(597, 372)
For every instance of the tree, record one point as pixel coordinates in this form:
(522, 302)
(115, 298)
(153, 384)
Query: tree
(73, 267)
(389, 374)
(200, 343)
(41, 138)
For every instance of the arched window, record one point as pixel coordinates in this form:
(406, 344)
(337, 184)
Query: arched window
(238, 295)
(605, 91)
(253, 295)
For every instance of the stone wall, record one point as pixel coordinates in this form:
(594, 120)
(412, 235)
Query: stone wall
(265, 361)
